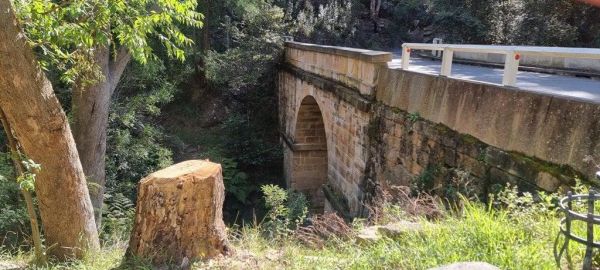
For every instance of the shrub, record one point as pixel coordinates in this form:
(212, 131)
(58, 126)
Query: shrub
(256, 45)
(287, 210)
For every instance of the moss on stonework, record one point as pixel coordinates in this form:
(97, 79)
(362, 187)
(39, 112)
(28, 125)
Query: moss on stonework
(442, 129)
(468, 139)
(373, 129)
(414, 117)
(398, 111)
(337, 200)
(556, 170)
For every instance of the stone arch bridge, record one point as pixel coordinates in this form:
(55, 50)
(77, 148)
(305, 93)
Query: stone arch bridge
(353, 124)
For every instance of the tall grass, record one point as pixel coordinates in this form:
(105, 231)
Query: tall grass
(517, 237)
(480, 234)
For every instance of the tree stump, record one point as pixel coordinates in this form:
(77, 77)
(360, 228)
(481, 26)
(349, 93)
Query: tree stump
(179, 215)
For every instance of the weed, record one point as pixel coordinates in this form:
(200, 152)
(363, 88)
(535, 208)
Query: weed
(414, 116)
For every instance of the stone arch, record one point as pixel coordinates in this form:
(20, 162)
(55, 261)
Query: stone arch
(310, 160)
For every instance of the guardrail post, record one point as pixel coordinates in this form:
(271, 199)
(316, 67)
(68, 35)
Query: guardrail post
(405, 57)
(511, 68)
(447, 62)
(437, 53)
(587, 261)
(568, 226)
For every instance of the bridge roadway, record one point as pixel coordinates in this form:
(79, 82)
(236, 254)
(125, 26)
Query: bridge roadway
(583, 89)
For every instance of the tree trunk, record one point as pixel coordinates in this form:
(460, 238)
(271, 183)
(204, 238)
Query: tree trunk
(205, 46)
(202, 85)
(90, 122)
(374, 8)
(41, 127)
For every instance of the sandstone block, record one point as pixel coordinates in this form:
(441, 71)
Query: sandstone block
(368, 235)
(475, 167)
(467, 266)
(470, 146)
(399, 229)
(179, 214)
(547, 181)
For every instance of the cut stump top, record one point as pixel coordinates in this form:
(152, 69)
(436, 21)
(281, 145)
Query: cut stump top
(201, 168)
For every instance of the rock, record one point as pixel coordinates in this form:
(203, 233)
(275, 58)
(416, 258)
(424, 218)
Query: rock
(547, 182)
(368, 235)
(372, 234)
(179, 215)
(397, 229)
(467, 266)
(12, 266)
(273, 255)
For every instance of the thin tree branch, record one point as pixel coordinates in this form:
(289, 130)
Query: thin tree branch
(33, 220)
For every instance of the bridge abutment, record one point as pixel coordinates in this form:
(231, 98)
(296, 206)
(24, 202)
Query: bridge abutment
(345, 106)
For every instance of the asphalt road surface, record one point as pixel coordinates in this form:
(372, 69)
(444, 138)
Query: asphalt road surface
(557, 85)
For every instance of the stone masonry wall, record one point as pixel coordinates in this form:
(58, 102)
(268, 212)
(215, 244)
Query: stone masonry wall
(356, 68)
(411, 151)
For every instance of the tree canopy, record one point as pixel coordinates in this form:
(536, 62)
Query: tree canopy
(66, 33)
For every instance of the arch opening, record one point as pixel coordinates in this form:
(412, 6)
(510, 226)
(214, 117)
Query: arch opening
(309, 172)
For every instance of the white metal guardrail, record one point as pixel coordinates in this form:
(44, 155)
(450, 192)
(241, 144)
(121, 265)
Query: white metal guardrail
(513, 55)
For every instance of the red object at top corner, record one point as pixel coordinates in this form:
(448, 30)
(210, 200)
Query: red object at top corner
(591, 2)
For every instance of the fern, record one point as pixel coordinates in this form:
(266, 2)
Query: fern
(236, 182)
(118, 217)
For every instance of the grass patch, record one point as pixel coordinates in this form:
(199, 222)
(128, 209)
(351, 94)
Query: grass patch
(109, 257)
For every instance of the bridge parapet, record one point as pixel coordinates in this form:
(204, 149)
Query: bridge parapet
(356, 68)
(554, 129)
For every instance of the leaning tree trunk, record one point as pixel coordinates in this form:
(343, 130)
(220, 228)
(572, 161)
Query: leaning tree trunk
(90, 123)
(42, 129)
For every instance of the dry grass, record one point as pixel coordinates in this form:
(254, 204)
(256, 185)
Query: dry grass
(323, 228)
(398, 203)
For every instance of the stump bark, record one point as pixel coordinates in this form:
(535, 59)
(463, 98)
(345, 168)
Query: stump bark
(179, 215)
